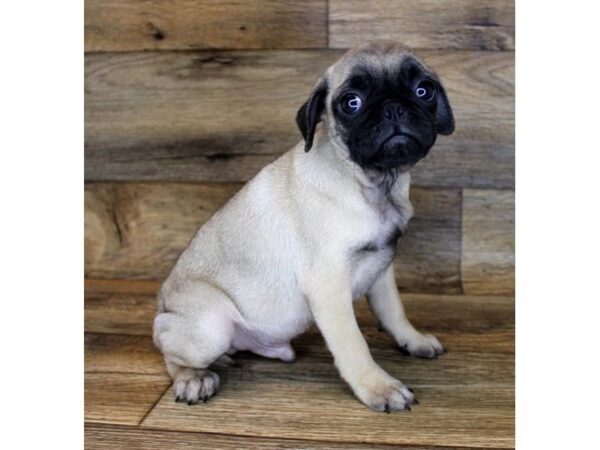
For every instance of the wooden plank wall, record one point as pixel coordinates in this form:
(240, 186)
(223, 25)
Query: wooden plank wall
(187, 99)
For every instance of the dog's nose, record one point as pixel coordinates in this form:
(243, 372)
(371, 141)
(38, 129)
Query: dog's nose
(393, 111)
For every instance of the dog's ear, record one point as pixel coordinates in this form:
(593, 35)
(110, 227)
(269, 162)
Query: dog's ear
(309, 114)
(443, 115)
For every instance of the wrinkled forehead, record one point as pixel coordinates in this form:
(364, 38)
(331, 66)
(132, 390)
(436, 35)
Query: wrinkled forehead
(379, 63)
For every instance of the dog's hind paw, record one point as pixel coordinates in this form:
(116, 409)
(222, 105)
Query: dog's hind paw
(197, 385)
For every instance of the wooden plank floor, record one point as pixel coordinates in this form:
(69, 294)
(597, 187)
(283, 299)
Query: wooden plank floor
(467, 396)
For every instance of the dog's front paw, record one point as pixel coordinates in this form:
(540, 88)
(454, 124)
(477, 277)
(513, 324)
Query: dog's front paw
(381, 392)
(195, 385)
(421, 345)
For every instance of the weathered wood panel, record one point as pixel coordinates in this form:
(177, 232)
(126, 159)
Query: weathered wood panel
(488, 247)
(137, 230)
(427, 256)
(123, 354)
(120, 306)
(116, 25)
(221, 116)
(434, 24)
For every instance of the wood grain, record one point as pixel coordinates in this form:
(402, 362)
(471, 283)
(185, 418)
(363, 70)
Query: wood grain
(116, 25)
(123, 354)
(427, 255)
(467, 396)
(221, 116)
(457, 24)
(120, 306)
(488, 246)
(469, 415)
(121, 398)
(111, 437)
(137, 230)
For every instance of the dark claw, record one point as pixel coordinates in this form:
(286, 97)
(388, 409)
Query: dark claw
(204, 399)
(408, 408)
(380, 328)
(190, 403)
(387, 408)
(404, 350)
(416, 402)
(410, 390)
(177, 398)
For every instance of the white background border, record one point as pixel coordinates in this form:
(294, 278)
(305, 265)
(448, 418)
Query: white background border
(41, 217)
(558, 224)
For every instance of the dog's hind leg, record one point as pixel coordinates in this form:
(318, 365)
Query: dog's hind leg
(194, 328)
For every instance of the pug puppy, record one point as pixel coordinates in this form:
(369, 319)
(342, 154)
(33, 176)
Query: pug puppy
(312, 232)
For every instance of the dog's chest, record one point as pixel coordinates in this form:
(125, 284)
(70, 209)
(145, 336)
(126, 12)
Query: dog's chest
(375, 250)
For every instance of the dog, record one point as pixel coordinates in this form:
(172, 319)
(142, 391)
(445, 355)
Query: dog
(313, 231)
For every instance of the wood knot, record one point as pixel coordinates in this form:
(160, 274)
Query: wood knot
(156, 32)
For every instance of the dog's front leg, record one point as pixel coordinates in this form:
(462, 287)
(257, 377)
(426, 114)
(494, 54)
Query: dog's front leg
(386, 305)
(330, 299)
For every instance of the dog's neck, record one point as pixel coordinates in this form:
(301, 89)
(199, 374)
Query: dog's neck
(377, 187)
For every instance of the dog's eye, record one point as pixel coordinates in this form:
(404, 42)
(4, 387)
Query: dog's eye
(351, 103)
(425, 91)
